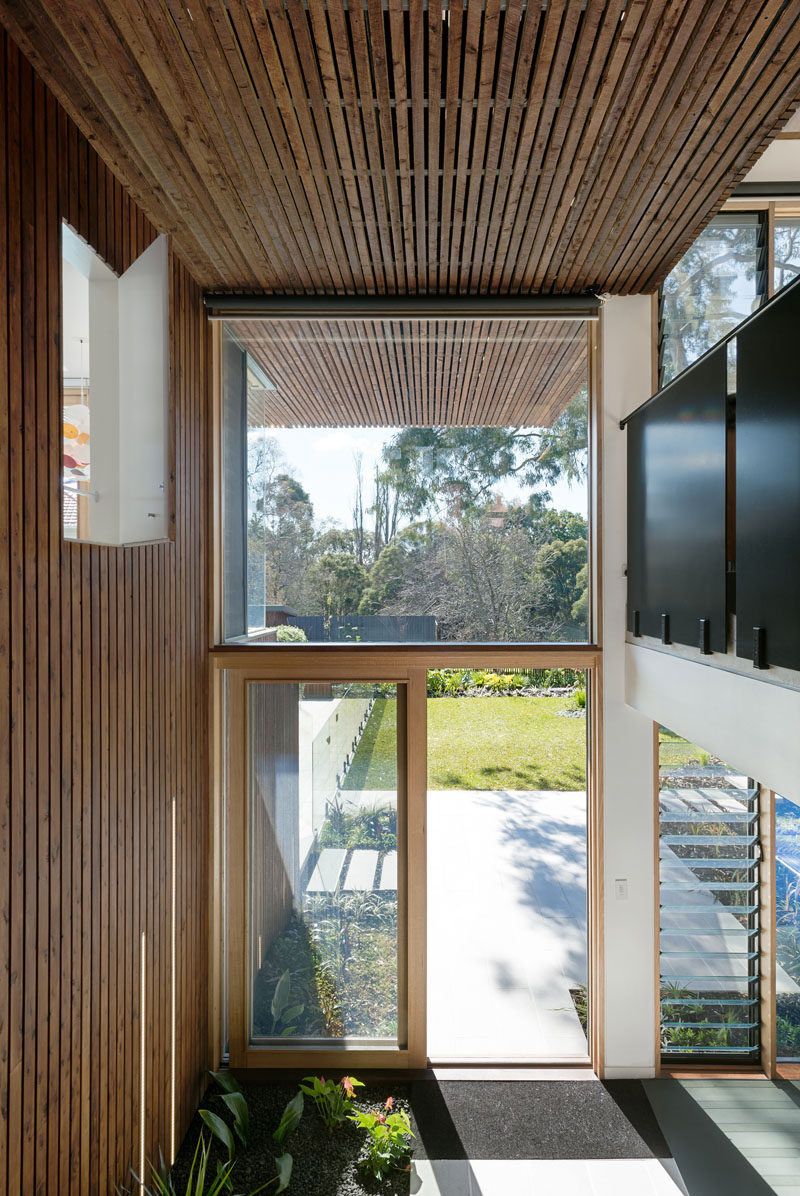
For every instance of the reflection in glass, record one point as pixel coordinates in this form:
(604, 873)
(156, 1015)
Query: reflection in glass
(75, 394)
(323, 861)
(787, 250)
(787, 927)
(712, 289)
(388, 498)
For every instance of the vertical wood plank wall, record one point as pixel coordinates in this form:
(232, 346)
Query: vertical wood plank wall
(103, 701)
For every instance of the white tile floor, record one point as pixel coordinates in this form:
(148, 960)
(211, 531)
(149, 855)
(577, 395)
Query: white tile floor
(547, 1177)
(506, 924)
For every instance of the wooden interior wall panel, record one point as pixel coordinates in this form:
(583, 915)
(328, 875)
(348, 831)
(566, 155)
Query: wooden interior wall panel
(409, 372)
(103, 691)
(478, 146)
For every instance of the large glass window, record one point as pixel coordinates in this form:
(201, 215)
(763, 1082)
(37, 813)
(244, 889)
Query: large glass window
(787, 250)
(323, 863)
(722, 280)
(717, 284)
(406, 481)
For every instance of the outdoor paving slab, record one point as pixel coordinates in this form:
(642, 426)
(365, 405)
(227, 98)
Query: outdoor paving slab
(327, 870)
(361, 871)
(389, 872)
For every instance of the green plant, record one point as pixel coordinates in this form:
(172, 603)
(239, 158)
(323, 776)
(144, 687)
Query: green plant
(387, 1139)
(233, 1098)
(284, 1014)
(437, 680)
(334, 1102)
(375, 826)
(286, 634)
(290, 1119)
(199, 1182)
(788, 1036)
(580, 699)
(580, 999)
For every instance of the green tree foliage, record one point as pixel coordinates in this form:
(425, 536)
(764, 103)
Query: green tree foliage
(388, 575)
(280, 529)
(580, 607)
(558, 569)
(437, 538)
(453, 471)
(337, 582)
(709, 292)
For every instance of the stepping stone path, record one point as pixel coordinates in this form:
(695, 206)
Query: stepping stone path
(361, 873)
(330, 874)
(389, 873)
(325, 876)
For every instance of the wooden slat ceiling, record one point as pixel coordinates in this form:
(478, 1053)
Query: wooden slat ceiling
(377, 146)
(398, 373)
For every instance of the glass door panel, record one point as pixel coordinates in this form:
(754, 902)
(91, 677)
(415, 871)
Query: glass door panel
(325, 885)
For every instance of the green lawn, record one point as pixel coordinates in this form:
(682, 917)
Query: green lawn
(480, 743)
(675, 751)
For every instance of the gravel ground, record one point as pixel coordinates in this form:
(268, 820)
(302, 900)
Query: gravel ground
(324, 1164)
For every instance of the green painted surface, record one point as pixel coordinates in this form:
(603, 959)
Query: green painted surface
(731, 1137)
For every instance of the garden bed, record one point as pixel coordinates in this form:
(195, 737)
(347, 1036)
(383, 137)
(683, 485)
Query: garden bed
(324, 1164)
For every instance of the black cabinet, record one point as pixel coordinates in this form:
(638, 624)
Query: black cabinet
(676, 510)
(768, 484)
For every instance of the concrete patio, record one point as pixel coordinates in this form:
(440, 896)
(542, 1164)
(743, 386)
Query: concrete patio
(506, 924)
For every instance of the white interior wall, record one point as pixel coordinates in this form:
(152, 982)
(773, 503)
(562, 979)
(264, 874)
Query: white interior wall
(780, 163)
(629, 936)
(746, 721)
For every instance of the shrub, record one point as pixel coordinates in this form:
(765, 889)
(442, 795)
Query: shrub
(437, 680)
(286, 634)
(388, 1134)
(334, 1102)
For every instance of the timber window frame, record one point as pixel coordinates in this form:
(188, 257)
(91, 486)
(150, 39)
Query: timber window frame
(233, 665)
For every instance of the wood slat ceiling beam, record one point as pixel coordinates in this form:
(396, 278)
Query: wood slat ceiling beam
(484, 147)
(393, 373)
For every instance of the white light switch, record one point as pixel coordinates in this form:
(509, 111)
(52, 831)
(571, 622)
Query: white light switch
(621, 890)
